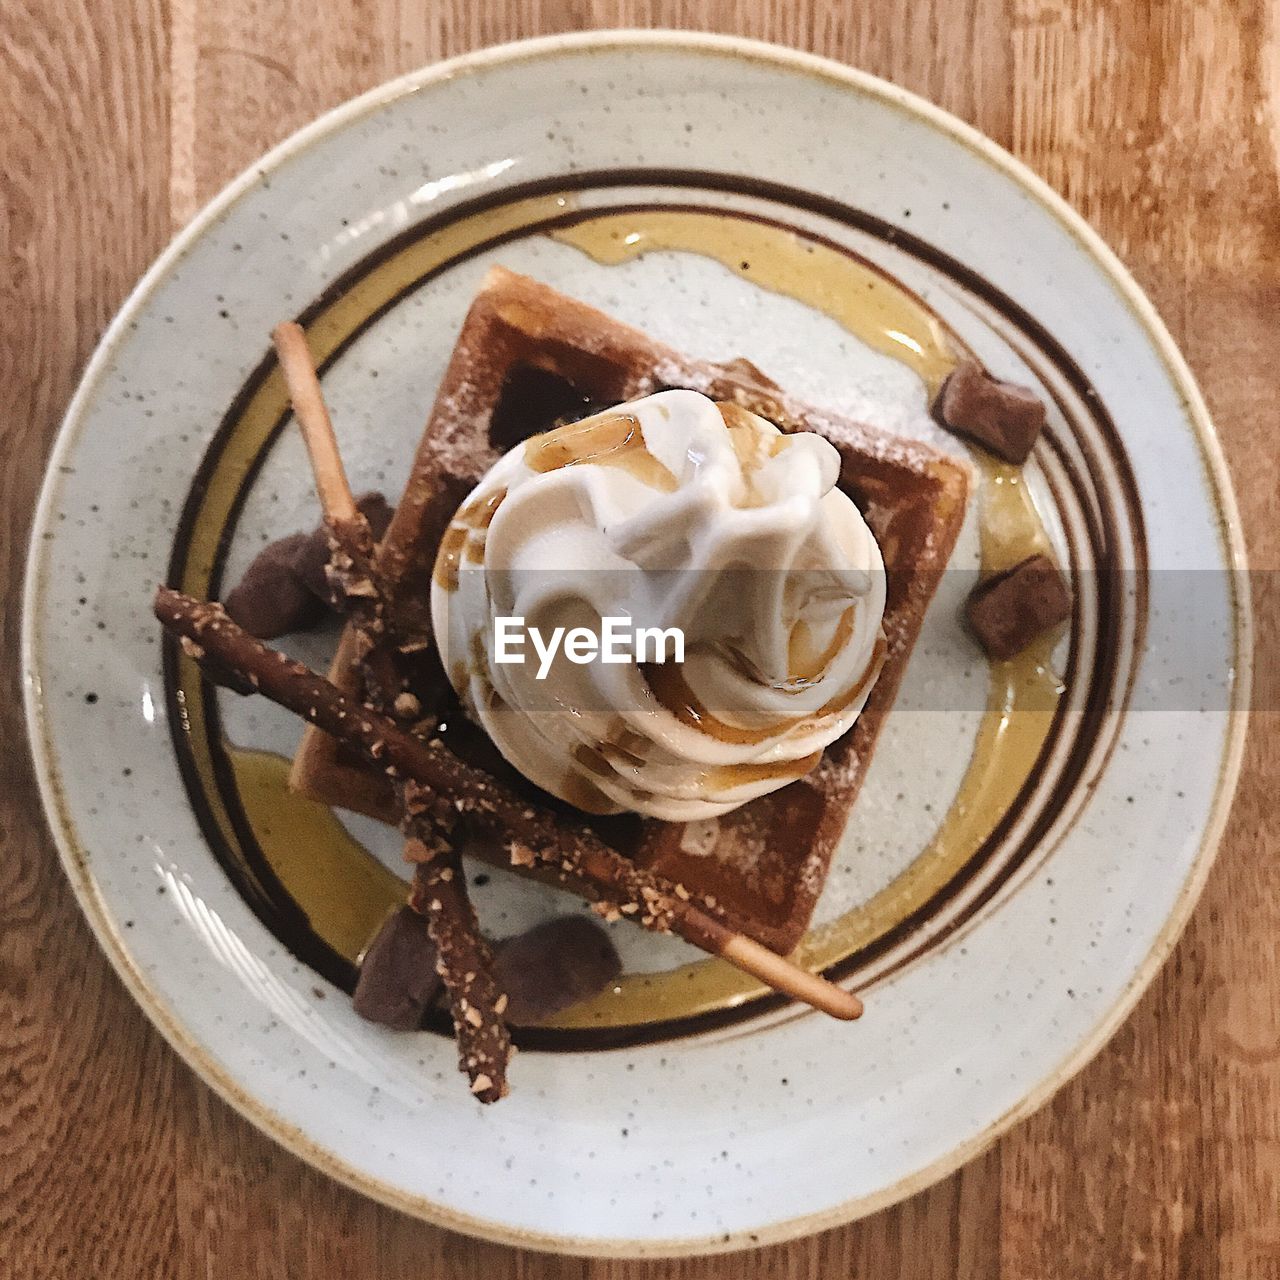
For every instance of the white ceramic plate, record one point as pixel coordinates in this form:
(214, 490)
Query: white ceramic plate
(763, 1124)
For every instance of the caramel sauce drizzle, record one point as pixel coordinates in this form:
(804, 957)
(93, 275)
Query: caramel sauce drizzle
(805, 663)
(459, 539)
(600, 762)
(1010, 529)
(728, 777)
(607, 439)
(753, 442)
(667, 684)
(581, 791)
(855, 294)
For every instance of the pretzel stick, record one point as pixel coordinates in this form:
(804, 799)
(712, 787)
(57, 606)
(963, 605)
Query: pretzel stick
(352, 572)
(354, 579)
(465, 960)
(540, 838)
(317, 428)
(484, 1044)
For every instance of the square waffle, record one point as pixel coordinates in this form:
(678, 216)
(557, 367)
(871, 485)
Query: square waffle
(528, 357)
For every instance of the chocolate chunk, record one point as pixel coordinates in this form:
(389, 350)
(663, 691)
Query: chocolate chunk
(1000, 416)
(270, 599)
(552, 966)
(284, 588)
(313, 552)
(398, 978)
(1009, 610)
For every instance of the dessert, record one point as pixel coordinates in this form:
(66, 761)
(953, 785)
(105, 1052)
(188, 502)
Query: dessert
(674, 513)
(574, 473)
(528, 358)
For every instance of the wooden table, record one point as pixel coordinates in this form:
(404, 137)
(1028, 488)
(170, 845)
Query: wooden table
(118, 118)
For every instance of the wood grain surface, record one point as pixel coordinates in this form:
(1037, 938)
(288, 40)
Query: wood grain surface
(1159, 121)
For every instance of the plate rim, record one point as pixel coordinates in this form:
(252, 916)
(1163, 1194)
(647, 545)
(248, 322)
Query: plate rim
(74, 857)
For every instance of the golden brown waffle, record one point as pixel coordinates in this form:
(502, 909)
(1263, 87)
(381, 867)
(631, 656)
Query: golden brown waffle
(528, 356)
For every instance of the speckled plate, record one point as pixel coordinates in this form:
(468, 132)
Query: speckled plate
(1030, 839)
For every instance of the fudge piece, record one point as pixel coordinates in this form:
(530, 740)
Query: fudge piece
(1001, 416)
(1009, 610)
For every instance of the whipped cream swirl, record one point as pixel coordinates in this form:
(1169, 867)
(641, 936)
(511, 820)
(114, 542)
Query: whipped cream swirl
(677, 512)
